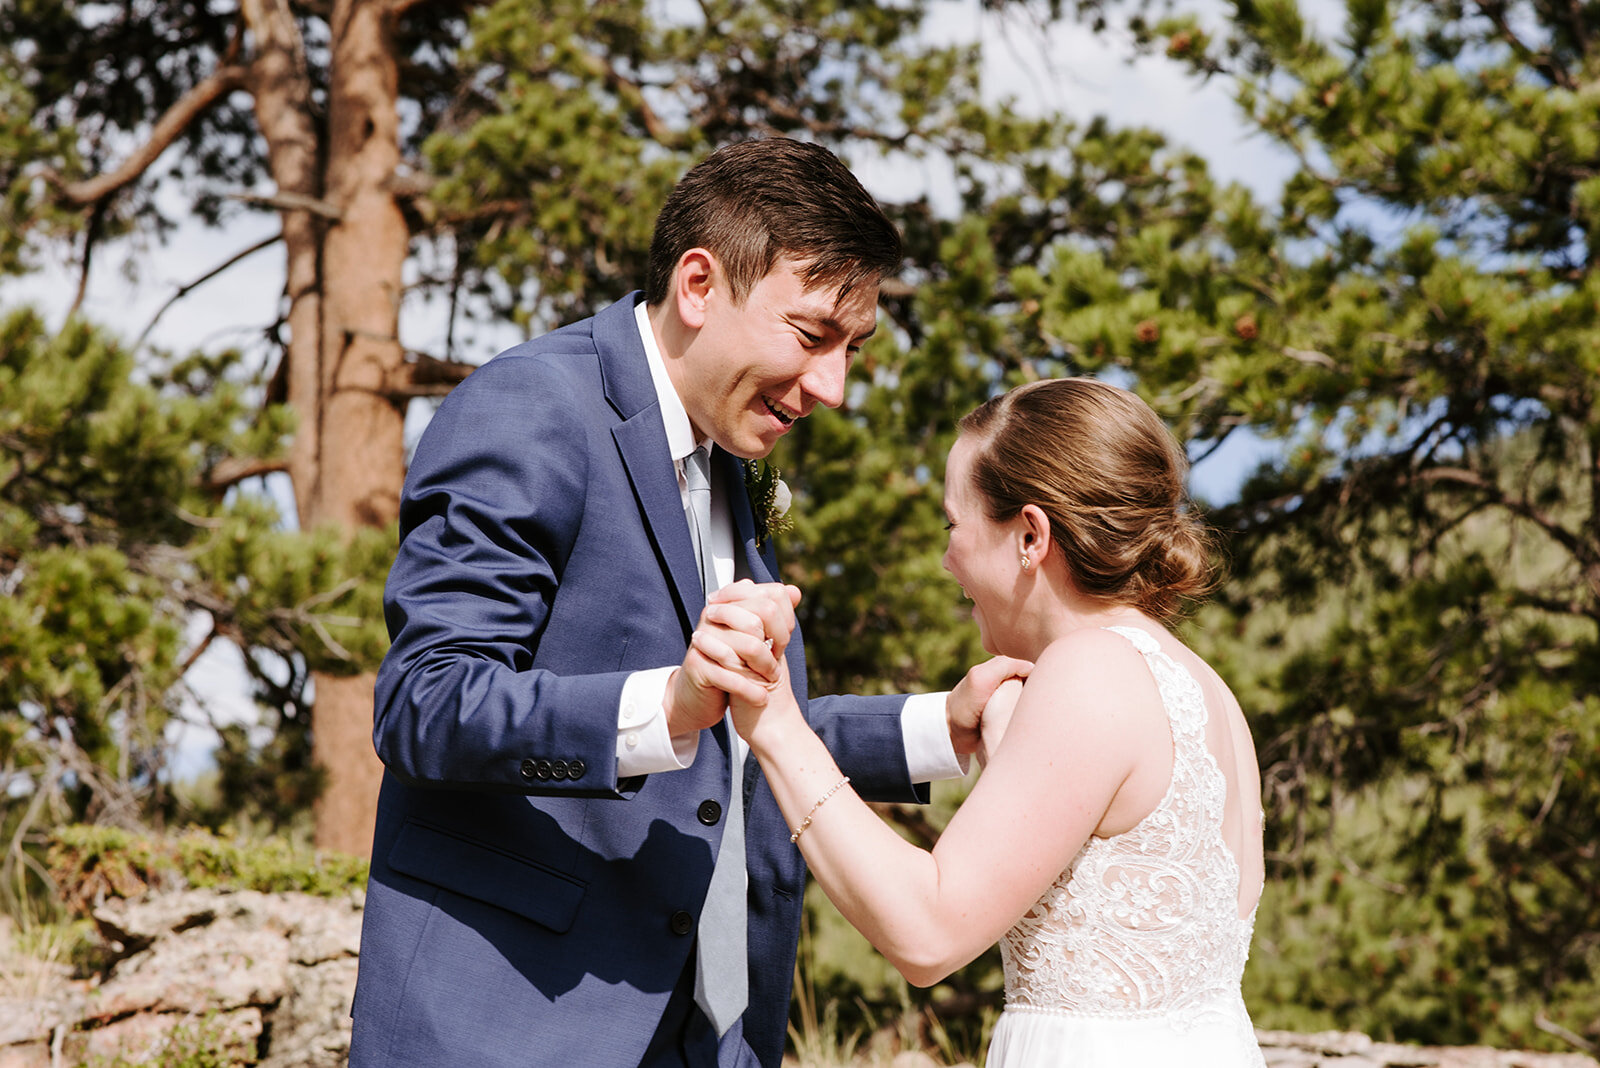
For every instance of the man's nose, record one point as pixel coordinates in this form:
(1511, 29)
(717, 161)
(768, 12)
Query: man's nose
(824, 380)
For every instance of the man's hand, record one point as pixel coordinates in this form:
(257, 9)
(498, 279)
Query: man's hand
(737, 650)
(773, 603)
(963, 709)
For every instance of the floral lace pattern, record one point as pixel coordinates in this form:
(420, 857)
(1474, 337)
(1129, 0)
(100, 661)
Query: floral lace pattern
(1145, 923)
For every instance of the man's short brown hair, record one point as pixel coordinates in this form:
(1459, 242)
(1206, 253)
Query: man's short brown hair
(755, 202)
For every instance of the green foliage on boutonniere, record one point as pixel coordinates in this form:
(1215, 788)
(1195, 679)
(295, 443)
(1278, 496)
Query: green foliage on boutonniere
(769, 499)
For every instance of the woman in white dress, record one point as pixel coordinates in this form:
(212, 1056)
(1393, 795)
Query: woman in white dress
(1112, 844)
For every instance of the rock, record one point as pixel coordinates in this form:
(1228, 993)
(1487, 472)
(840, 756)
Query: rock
(35, 1019)
(195, 970)
(912, 1058)
(222, 966)
(328, 933)
(272, 975)
(33, 1055)
(311, 1028)
(1338, 1049)
(163, 1038)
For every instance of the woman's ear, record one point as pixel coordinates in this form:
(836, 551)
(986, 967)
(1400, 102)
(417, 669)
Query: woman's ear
(1033, 534)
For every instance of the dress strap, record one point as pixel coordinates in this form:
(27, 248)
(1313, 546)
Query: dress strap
(1181, 694)
(1141, 639)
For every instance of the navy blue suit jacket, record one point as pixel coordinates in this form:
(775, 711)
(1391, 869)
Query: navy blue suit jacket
(525, 907)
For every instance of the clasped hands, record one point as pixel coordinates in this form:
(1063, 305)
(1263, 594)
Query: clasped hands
(736, 655)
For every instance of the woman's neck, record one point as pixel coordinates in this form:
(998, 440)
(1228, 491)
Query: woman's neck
(1085, 615)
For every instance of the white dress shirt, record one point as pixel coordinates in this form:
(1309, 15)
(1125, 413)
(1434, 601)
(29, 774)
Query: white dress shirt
(644, 745)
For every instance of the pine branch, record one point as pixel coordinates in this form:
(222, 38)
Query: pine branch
(426, 376)
(632, 94)
(167, 130)
(289, 201)
(184, 290)
(1462, 477)
(1550, 1027)
(91, 232)
(1542, 61)
(233, 470)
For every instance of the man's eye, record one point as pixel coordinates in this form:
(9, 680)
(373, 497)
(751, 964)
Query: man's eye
(810, 339)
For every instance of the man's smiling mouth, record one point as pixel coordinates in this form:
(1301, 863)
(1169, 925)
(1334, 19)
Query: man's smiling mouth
(783, 414)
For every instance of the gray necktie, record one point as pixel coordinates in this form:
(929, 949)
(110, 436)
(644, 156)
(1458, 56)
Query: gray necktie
(721, 982)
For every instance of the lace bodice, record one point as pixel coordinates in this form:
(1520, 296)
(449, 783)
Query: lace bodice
(1145, 922)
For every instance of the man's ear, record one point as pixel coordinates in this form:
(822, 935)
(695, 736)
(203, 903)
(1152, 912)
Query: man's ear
(696, 276)
(1034, 534)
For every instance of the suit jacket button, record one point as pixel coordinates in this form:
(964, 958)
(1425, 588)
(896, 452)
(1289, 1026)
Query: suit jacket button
(709, 813)
(541, 768)
(558, 769)
(682, 922)
(576, 768)
(526, 768)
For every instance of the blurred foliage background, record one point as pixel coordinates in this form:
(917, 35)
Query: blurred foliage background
(1412, 328)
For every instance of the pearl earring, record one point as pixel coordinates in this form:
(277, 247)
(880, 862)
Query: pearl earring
(1025, 563)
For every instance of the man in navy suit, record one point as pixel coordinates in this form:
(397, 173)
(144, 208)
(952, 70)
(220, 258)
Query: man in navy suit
(559, 777)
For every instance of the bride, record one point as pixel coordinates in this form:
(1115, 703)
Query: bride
(1112, 844)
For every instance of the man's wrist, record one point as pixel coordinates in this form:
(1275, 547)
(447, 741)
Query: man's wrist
(645, 745)
(930, 753)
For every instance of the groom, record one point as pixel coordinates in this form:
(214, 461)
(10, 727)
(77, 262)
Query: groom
(559, 780)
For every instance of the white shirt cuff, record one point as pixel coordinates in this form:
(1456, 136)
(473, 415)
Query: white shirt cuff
(929, 754)
(643, 745)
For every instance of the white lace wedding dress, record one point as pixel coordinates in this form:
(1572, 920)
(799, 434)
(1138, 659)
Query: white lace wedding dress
(1132, 958)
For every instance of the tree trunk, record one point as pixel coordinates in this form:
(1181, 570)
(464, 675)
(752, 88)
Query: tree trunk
(343, 280)
(359, 465)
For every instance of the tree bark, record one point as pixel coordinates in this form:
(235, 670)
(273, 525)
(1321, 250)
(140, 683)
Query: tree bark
(343, 287)
(358, 464)
(283, 103)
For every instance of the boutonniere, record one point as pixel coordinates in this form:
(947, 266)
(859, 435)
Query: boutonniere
(769, 499)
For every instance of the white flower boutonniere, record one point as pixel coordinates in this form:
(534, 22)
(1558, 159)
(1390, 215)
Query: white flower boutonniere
(769, 499)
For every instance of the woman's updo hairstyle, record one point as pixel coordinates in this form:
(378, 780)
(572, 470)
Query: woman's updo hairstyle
(1109, 476)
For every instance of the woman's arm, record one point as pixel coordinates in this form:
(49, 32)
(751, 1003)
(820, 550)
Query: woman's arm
(996, 718)
(1080, 727)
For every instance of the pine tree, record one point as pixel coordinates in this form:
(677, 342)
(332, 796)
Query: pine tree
(515, 152)
(1416, 324)
(115, 532)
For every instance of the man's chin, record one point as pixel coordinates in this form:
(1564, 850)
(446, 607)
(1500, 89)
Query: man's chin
(754, 446)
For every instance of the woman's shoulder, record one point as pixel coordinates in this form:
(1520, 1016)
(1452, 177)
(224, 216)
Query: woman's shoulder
(1093, 648)
(1099, 671)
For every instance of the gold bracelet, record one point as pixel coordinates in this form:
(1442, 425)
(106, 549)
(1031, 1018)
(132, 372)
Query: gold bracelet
(795, 837)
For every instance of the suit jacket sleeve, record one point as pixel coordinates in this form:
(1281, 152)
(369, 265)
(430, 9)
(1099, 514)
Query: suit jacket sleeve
(494, 500)
(865, 738)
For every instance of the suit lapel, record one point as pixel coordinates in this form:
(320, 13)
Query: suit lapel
(763, 567)
(757, 562)
(641, 441)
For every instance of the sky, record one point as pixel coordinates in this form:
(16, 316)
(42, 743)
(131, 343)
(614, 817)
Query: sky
(1069, 68)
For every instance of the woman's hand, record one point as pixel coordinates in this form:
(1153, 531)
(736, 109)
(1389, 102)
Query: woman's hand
(772, 711)
(997, 717)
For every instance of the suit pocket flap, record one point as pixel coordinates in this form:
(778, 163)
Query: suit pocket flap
(483, 873)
